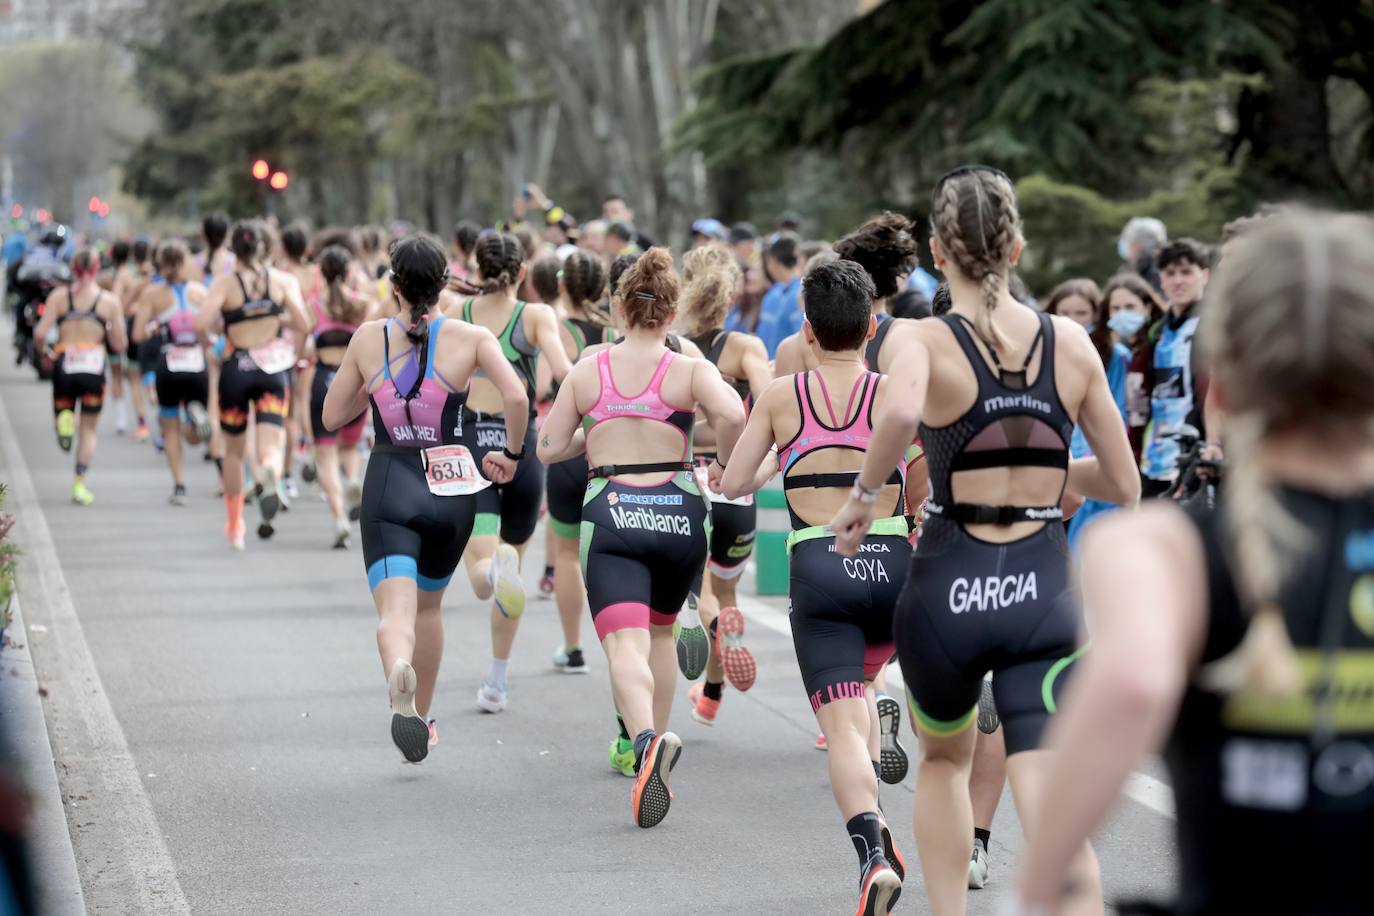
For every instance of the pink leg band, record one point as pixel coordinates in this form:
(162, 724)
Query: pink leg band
(628, 615)
(660, 619)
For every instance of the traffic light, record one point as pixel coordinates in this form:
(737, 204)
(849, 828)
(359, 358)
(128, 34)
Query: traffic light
(279, 181)
(17, 211)
(261, 169)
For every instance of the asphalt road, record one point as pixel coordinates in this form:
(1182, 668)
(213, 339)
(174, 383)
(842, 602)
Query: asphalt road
(220, 727)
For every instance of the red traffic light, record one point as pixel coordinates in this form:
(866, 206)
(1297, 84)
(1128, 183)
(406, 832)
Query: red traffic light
(94, 205)
(261, 169)
(279, 181)
(42, 216)
(104, 210)
(17, 211)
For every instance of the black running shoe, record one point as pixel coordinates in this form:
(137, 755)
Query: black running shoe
(987, 710)
(892, 759)
(178, 495)
(879, 888)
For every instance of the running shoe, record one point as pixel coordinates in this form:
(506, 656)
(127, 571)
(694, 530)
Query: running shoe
(159, 443)
(545, 585)
(342, 535)
(651, 797)
(704, 708)
(121, 418)
(892, 759)
(821, 743)
(66, 429)
(178, 495)
(622, 756)
(504, 576)
(199, 420)
(288, 485)
(141, 433)
(740, 667)
(409, 731)
(890, 850)
(491, 698)
(570, 661)
(269, 502)
(353, 498)
(81, 494)
(879, 888)
(987, 710)
(978, 867)
(308, 473)
(693, 650)
(235, 535)
(433, 734)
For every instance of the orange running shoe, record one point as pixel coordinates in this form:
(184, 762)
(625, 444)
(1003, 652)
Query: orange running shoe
(651, 797)
(704, 708)
(880, 889)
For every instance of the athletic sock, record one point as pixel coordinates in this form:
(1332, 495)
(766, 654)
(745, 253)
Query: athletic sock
(233, 508)
(624, 732)
(878, 770)
(982, 836)
(496, 676)
(866, 832)
(219, 466)
(712, 691)
(548, 570)
(642, 742)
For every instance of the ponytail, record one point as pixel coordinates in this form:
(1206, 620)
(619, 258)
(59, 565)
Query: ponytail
(1266, 539)
(975, 218)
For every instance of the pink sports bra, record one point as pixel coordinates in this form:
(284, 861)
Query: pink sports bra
(611, 404)
(815, 435)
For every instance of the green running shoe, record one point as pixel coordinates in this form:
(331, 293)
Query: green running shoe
(622, 755)
(693, 645)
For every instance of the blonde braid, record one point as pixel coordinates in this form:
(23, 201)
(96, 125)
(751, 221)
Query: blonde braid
(988, 266)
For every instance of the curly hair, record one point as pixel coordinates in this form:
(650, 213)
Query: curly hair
(710, 277)
(883, 246)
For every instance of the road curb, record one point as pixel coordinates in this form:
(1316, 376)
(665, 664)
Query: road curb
(51, 856)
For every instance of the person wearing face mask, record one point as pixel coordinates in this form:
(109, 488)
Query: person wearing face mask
(1081, 301)
(1134, 311)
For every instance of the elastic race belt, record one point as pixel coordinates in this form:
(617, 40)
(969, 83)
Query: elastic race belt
(978, 514)
(839, 479)
(615, 470)
(897, 525)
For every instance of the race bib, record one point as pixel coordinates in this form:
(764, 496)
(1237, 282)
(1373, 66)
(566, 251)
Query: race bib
(713, 496)
(274, 356)
(185, 359)
(84, 361)
(450, 471)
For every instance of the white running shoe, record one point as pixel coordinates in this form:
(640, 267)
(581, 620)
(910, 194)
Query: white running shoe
(504, 576)
(491, 698)
(978, 867)
(570, 662)
(121, 417)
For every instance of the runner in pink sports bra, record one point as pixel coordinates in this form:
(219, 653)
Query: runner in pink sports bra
(841, 607)
(339, 312)
(644, 519)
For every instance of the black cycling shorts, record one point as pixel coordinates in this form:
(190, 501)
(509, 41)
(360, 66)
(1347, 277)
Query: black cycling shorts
(177, 388)
(732, 538)
(842, 611)
(567, 483)
(149, 355)
(641, 548)
(69, 389)
(510, 509)
(407, 531)
(973, 606)
(351, 432)
(242, 383)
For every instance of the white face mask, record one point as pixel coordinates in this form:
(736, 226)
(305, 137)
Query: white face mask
(1122, 249)
(1126, 323)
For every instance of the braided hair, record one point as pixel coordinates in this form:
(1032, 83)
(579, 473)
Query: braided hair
(499, 259)
(419, 272)
(340, 303)
(584, 282)
(973, 213)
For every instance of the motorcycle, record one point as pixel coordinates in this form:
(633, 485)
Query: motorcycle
(33, 282)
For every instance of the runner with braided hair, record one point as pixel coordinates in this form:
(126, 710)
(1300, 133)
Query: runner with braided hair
(508, 512)
(994, 389)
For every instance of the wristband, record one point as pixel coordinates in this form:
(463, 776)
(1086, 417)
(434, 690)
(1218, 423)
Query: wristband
(719, 462)
(863, 494)
(511, 455)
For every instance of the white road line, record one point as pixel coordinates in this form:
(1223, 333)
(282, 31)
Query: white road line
(1140, 787)
(149, 862)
